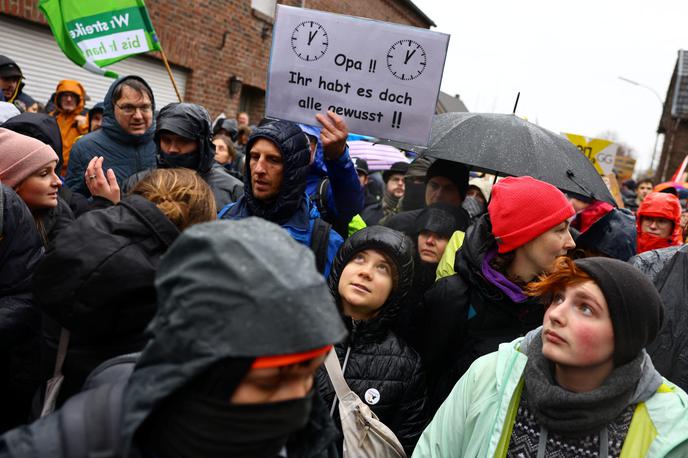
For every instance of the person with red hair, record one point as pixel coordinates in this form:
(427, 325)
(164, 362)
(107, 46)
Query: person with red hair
(580, 385)
(659, 222)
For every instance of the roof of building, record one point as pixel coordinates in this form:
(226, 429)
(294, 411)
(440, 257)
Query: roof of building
(449, 103)
(679, 104)
(419, 12)
(676, 101)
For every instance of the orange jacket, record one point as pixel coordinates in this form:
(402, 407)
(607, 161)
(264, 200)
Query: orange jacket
(659, 205)
(70, 129)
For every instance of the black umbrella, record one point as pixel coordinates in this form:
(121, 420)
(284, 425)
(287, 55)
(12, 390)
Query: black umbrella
(507, 145)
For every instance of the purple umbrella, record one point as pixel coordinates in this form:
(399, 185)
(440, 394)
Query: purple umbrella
(378, 157)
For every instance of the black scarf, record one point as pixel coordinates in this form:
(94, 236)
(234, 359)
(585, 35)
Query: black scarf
(199, 426)
(575, 414)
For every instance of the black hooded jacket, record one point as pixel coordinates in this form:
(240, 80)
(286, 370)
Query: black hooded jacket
(373, 357)
(97, 282)
(468, 316)
(21, 250)
(193, 121)
(213, 305)
(442, 219)
(669, 350)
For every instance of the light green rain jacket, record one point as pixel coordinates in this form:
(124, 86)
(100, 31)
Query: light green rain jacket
(477, 418)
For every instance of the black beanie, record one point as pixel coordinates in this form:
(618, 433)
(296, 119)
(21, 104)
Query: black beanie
(457, 173)
(440, 218)
(635, 307)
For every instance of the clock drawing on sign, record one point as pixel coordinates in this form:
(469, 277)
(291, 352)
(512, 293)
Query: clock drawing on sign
(309, 41)
(406, 60)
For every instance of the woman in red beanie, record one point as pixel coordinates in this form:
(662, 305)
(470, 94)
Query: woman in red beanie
(659, 222)
(28, 166)
(484, 304)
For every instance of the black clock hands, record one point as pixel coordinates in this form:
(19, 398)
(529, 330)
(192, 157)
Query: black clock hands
(409, 56)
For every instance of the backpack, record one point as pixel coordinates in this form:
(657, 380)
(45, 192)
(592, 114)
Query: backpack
(90, 421)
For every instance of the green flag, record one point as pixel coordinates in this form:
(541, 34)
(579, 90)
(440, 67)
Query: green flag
(96, 33)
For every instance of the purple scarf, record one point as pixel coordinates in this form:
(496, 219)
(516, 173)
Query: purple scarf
(513, 291)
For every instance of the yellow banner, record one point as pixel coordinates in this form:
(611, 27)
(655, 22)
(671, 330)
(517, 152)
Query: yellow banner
(600, 152)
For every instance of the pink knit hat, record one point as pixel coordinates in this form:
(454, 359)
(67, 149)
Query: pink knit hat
(21, 156)
(522, 208)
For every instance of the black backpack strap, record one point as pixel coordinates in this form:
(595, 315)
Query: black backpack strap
(320, 239)
(319, 197)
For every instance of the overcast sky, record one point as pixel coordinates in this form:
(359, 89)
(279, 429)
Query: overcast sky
(565, 58)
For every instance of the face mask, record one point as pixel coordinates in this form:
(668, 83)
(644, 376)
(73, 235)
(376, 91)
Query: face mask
(473, 206)
(203, 427)
(189, 161)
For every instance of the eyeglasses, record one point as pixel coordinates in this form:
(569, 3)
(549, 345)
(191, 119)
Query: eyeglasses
(129, 110)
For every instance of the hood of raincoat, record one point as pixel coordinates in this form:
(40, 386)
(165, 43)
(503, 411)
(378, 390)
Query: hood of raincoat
(672, 284)
(293, 144)
(613, 235)
(95, 109)
(230, 125)
(225, 293)
(110, 124)
(76, 88)
(191, 121)
(659, 205)
(40, 126)
(21, 248)
(395, 245)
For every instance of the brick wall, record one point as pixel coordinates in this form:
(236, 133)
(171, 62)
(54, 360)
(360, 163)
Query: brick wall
(192, 35)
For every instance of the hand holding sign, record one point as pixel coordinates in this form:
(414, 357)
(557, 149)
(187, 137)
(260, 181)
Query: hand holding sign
(332, 135)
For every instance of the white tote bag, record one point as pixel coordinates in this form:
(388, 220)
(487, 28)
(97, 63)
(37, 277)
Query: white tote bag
(364, 435)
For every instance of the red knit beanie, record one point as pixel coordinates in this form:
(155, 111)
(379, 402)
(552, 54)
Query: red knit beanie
(522, 208)
(21, 156)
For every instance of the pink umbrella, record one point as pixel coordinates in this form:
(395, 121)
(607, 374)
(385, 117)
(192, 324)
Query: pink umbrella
(378, 156)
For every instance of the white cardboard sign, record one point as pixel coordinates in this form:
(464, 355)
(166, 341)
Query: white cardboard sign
(382, 78)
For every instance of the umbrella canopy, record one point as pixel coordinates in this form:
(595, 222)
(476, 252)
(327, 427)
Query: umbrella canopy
(378, 156)
(508, 145)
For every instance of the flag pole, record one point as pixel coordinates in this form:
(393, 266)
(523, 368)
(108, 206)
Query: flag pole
(169, 72)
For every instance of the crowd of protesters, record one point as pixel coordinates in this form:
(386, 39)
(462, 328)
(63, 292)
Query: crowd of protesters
(176, 287)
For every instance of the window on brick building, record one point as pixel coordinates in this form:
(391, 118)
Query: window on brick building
(252, 101)
(266, 7)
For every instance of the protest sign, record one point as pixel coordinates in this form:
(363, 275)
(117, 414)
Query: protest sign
(382, 78)
(624, 167)
(599, 151)
(99, 33)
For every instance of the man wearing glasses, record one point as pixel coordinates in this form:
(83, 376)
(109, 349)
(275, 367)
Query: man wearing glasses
(126, 138)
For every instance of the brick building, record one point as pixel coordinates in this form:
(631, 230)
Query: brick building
(219, 49)
(674, 121)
